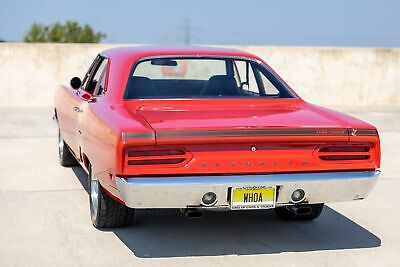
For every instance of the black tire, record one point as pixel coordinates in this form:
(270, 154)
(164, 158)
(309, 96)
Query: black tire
(305, 212)
(104, 211)
(64, 154)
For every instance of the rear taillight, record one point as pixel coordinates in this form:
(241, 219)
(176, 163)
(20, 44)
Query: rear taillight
(156, 156)
(345, 152)
(336, 149)
(149, 153)
(345, 157)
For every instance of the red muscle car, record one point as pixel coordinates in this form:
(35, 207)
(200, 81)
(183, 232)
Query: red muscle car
(207, 128)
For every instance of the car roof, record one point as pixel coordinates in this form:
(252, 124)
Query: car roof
(149, 51)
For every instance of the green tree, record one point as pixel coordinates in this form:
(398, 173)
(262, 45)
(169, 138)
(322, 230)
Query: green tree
(70, 32)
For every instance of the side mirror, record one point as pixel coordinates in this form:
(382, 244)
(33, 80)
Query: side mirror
(76, 83)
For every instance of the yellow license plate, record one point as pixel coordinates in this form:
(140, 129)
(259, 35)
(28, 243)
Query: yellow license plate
(253, 198)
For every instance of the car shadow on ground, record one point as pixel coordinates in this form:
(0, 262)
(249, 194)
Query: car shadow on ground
(168, 233)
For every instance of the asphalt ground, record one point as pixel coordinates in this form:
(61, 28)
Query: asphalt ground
(44, 215)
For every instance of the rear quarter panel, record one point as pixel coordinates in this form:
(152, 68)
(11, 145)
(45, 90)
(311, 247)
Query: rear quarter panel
(101, 142)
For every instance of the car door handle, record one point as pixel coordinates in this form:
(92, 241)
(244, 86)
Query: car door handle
(77, 109)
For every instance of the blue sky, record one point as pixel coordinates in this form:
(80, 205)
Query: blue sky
(370, 23)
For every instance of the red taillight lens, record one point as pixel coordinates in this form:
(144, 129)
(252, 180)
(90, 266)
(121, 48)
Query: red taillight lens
(345, 149)
(155, 161)
(345, 152)
(155, 156)
(147, 153)
(345, 157)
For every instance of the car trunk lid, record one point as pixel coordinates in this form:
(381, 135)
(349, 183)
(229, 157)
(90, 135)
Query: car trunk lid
(232, 121)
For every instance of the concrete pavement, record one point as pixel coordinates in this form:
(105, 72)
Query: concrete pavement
(44, 215)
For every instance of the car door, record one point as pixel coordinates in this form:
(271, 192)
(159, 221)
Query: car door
(73, 109)
(68, 109)
(94, 88)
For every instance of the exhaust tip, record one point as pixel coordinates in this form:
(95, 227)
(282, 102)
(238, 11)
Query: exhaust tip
(195, 214)
(302, 210)
(192, 213)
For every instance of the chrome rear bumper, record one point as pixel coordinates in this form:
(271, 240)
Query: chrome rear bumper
(183, 192)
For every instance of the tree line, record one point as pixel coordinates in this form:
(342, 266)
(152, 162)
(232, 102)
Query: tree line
(69, 32)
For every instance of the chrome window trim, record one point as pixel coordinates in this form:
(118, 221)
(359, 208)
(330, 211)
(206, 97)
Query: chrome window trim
(137, 135)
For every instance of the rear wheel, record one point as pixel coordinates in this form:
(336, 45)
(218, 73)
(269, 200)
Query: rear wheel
(104, 211)
(65, 156)
(305, 212)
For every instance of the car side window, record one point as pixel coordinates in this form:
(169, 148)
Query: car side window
(100, 76)
(95, 75)
(245, 79)
(89, 72)
(269, 88)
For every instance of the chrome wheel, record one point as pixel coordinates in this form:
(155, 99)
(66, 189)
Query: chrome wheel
(60, 145)
(94, 194)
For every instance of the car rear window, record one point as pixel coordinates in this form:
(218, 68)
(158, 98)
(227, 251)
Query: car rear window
(169, 78)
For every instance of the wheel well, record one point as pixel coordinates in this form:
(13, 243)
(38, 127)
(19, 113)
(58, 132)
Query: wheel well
(86, 163)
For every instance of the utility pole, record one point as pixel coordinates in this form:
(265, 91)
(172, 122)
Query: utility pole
(187, 31)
